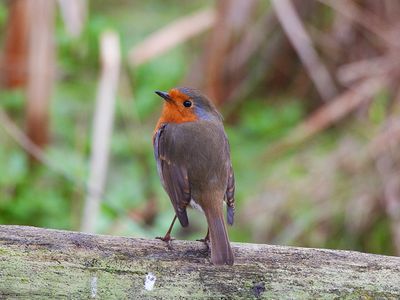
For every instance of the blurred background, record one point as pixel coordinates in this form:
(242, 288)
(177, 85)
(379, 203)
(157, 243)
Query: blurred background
(308, 89)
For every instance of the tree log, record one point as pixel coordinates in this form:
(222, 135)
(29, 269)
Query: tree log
(53, 264)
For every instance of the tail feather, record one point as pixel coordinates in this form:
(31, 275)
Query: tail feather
(230, 212)
(221, 252)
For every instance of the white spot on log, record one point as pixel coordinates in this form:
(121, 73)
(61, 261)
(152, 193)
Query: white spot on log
(149, 281)
(93, 287)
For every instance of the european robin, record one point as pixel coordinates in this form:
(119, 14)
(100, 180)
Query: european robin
(193, 161)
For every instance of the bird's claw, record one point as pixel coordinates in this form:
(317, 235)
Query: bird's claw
(167, 239)
(206, 241)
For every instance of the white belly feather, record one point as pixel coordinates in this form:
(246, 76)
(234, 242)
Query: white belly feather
(195, 205)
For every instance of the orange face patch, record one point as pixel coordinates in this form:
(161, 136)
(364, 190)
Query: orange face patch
(174, 111)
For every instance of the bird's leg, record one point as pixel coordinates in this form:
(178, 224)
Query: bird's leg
(206, 239)
(167, 238)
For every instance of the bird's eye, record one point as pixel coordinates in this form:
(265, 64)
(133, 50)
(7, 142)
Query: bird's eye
(187, 103)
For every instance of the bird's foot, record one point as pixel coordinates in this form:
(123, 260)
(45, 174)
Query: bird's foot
(206, 241)
(168, 239)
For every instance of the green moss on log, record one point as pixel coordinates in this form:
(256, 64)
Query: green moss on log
(40, 263)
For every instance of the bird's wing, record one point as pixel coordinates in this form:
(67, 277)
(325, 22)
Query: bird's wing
(230, 190)
(174, 177)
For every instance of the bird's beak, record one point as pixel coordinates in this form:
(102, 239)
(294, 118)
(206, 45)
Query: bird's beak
(164, 95)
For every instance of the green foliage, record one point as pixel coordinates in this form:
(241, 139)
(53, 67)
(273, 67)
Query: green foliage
(3, 15)
(80, 56)
(160, 74)
(30, 197)
(269, 119)
(12, 100)
(378, 109)
(15, 165)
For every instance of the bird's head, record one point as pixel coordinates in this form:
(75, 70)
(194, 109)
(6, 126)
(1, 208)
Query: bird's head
(187, 105)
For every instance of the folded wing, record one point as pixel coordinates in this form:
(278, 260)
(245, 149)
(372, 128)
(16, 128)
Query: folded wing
(174, 177)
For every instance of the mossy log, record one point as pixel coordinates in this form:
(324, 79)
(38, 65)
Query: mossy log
(52, 264)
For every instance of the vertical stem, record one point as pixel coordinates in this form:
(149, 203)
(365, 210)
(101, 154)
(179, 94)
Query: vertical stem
(302, 43)
(102, 127)
(74, 14)
(14, 61)
(41, 55)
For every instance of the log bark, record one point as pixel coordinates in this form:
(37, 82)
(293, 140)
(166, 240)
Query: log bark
(53, 264)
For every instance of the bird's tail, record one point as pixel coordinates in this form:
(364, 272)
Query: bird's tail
(221, 252)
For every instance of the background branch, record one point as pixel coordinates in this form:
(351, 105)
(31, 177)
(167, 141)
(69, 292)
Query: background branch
(102, 127)
(303, 45)
(170, 36)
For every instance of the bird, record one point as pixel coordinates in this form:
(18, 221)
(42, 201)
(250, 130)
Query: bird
(193, 161)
